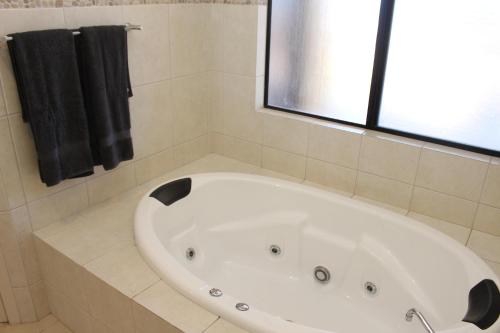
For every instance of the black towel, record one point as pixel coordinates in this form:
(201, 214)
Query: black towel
(46, 70)
(103, 61)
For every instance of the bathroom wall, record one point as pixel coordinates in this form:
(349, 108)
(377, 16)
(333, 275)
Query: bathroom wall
(169, 111)
(455, 191)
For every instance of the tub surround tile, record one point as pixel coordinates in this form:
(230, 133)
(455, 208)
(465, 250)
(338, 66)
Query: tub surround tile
(335, 144)
(179, 311)
(152, 119)
(11, 189)
(459, 233)
(285, 134)
(327, 189)
(190, 114)
(390, 158)
(485, 245)
(488, 220)
(222, 326)
(444, 207)
(239, 116)
(495, 267)
(149, 49)
(331, 175)
(58, 206)
(154, 166)
(491, 190)
(238, 149)
(192, 150)
(40, 302)
(390, 207)
(125, 270)
(147, 322)
(284, 162)
(385, 190)
(188, 26)
(25, 304)
(76, 17)
(451, 174)
(111, 184)
(240, 39)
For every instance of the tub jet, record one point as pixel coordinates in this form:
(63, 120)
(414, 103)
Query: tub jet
(322, 274)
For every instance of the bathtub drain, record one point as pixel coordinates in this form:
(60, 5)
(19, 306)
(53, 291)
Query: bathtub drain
(242, 307)
(321, 274)
(371, 288)
(190, 253)
(275, 250)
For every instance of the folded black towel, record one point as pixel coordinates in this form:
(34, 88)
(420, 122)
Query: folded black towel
(46, 70)
(103, 61)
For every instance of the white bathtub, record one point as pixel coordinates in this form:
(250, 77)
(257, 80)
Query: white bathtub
(258, 240)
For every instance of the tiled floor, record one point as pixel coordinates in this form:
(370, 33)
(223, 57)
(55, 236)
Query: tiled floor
(47, 325)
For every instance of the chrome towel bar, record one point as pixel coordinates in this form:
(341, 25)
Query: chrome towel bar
(128, 27)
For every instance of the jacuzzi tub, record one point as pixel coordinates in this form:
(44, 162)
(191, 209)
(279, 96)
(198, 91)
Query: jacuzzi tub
(222, 239)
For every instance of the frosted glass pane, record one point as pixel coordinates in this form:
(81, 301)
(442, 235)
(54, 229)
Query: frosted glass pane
(321, 56)
(443, 71)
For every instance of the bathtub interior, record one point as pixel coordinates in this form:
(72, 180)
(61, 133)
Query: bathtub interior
(232, 223)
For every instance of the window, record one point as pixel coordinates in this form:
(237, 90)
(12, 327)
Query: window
(427, 69)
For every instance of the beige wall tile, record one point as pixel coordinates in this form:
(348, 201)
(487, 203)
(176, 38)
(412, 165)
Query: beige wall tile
(284, 162)
(238, 149)
(240, 118)
(494, 266)
(214, 42)
(111, 184)
(149, 49)
(171, 306)
(451, 174)
(284, 133)
(28, 254)
(28, 165)
(148, 322)
(152, 118)
(3, 105)
(382, 189)
(216, 106)
(334, 176)
(57, 328)
(9, 301)
(40, 300)
(485, 245)
(459, 233)
(154, 166)
(392, 208)
(10, 98)
(192, 150)
(10, 248)
(261, 39)
(187, 26)
(443, 207)
(109, 305)
(491, 191)
(389, 157)
(335, 144)
(240, 39)
(488, 220)
(189, 100)
(76, 17)
(11, 186)
(58, 206)
(19, 20)
(25, 304)
(222, 326)
(125, 270)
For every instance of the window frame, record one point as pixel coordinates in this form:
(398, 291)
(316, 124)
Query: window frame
(377, 84)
